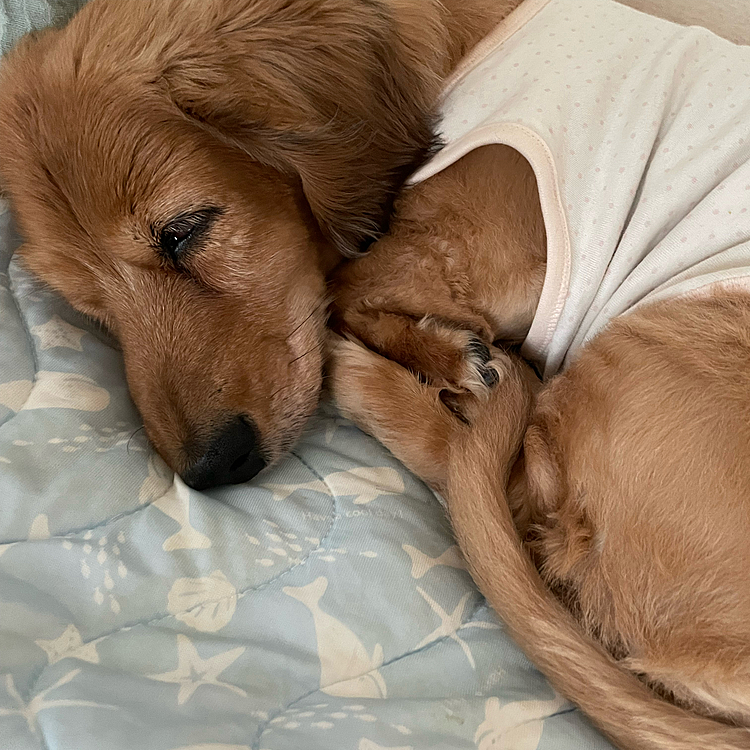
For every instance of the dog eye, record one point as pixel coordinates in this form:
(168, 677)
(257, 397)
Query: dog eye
(173, 238)
(182, 233)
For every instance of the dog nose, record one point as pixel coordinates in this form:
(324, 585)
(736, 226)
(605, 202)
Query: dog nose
(232, 456)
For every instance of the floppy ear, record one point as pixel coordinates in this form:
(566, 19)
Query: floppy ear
(323, 89)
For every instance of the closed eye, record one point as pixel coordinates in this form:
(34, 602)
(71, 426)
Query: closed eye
(183, 234)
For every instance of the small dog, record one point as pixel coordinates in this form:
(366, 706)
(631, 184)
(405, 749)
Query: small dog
(189, 172)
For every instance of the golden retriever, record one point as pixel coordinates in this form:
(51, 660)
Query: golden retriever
(188, 172)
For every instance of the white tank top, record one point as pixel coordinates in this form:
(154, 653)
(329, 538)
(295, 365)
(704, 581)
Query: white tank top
(638, 131)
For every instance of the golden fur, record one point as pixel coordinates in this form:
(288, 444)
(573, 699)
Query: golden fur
(294, 124)
(291, 126)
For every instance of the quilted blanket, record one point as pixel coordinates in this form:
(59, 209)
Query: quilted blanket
(18, 17)
(322, 606)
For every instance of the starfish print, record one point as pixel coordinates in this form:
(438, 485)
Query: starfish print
(56, 332)
(192, 671)
(69, 644)
(451, 623)
(38, 703)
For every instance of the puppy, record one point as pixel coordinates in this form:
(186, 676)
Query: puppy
(591, 212)
(187, 172)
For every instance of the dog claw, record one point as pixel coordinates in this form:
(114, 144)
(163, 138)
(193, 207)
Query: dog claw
(480, 350)
(490, 377)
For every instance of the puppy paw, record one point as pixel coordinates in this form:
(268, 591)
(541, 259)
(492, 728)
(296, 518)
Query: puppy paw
(353, 374)
(453, 358)
(391, 404)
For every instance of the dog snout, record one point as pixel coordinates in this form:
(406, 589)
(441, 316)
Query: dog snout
(233, 455)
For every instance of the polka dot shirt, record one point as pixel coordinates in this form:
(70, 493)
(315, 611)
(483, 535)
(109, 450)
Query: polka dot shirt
(638, 131)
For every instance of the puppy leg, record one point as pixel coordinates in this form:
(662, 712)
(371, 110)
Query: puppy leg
(462, 266)
(444, 353)
(417, 422)
(390, 404)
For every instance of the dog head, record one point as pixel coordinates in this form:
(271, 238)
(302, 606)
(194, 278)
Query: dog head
(187, 172)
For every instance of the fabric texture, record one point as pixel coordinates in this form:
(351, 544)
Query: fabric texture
(18, 17)
(638, 131)
(321, 606)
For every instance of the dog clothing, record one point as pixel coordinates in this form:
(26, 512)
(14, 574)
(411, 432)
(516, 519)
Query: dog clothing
(638, 131)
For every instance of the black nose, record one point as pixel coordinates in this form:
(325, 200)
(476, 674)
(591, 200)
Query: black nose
(232, 456)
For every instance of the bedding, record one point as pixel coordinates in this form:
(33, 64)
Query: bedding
(322, 605)
(18, 17)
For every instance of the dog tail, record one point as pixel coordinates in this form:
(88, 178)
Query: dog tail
(632, 716)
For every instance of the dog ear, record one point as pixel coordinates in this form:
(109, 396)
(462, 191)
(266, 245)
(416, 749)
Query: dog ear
(323, 89)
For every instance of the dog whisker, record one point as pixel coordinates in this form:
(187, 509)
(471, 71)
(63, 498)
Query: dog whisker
(315, 348)
(127, 447)
(315, 309)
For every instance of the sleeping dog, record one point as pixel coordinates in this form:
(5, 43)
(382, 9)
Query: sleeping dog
(189, 172)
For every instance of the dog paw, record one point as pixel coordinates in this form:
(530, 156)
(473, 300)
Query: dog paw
(490, 369)
(453, 358)
(387, 401)
(479, 365)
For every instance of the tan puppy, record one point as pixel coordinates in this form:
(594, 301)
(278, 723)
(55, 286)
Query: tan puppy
(186, 172)
(625, 477)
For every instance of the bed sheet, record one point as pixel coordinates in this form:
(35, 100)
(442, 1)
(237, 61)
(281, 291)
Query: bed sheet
(323, 605)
